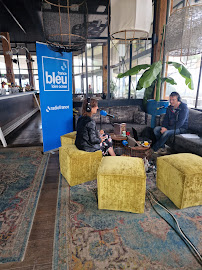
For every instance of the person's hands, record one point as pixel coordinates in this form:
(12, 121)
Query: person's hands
(103, 137)
(163, 129)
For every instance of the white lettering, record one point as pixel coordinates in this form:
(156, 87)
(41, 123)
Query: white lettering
(58, 79)
(64, 80)
(53, 77)
(48, 77)
(62, 73)
(55, 108)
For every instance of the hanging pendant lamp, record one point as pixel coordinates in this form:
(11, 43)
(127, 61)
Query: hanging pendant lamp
(65, 24)
(130, 19)
(184, 32)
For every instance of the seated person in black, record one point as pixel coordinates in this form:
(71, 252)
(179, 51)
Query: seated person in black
(88, 138)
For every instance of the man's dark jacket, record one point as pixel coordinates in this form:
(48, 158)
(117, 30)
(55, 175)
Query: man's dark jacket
(180, 116)
(87, 137)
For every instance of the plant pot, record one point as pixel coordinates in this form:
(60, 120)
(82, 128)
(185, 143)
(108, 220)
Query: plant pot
(156, 108)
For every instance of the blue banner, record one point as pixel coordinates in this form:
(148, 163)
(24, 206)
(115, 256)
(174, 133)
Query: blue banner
(55, 85)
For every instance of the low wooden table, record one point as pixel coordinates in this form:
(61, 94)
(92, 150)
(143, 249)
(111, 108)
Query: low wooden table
(136, 151)
(117, 140)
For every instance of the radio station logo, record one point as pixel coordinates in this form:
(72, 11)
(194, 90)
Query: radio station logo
(56, 108)
(55, 74)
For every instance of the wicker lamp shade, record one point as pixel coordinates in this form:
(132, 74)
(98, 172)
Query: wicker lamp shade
(130, 19)
(65, 23)
(184, 32)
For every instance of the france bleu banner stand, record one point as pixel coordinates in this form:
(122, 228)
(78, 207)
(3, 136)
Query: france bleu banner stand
(55, 84)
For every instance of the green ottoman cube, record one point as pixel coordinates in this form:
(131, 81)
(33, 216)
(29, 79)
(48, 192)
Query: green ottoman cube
(78, 166)
(179, 177)
(68, 138)
(121, 184)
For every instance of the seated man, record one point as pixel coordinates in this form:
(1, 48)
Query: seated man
(175, 122)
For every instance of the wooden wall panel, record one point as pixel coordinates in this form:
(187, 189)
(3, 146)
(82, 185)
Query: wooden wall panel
(8, 59)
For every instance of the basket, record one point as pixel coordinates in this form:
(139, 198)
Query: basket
(138, 151)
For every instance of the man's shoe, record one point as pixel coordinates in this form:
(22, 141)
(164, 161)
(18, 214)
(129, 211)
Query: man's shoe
(162, 151)
(152, 151)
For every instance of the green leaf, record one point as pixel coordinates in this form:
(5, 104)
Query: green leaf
(168, 80)
(148, 77)
(184, 73)
(133, 71)
(138, 87)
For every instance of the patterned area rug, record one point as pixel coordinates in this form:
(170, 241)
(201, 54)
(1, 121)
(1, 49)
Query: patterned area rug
(22, 172)
(88, 238)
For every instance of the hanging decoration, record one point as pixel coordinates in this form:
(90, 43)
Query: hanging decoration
(130, 19)
(184, 32)
(65, 24)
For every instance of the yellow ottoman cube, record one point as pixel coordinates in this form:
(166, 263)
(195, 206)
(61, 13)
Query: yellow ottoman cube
(78, 166)
(68, 138)
(179, 177)
(121, 184)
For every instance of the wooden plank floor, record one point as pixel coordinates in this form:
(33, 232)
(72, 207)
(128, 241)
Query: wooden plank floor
(30, 134)
(39, 251)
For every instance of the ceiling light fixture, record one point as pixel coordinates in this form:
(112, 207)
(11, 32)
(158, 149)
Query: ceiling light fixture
(70, 33)
(16, 50)
(130, 19)
(10, 53)
(183, 32)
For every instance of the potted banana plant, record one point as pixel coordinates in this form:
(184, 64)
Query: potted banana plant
(153, 78)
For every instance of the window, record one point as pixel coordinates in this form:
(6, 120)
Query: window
(94, 61)
(199, 101)
(119, 62)
(141, 55)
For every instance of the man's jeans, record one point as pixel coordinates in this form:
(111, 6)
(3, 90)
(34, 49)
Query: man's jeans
(162, 138)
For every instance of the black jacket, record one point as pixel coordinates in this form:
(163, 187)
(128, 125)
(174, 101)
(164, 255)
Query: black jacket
(87, 137)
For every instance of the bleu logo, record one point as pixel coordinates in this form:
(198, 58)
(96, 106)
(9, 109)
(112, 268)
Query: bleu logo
(55, 74)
